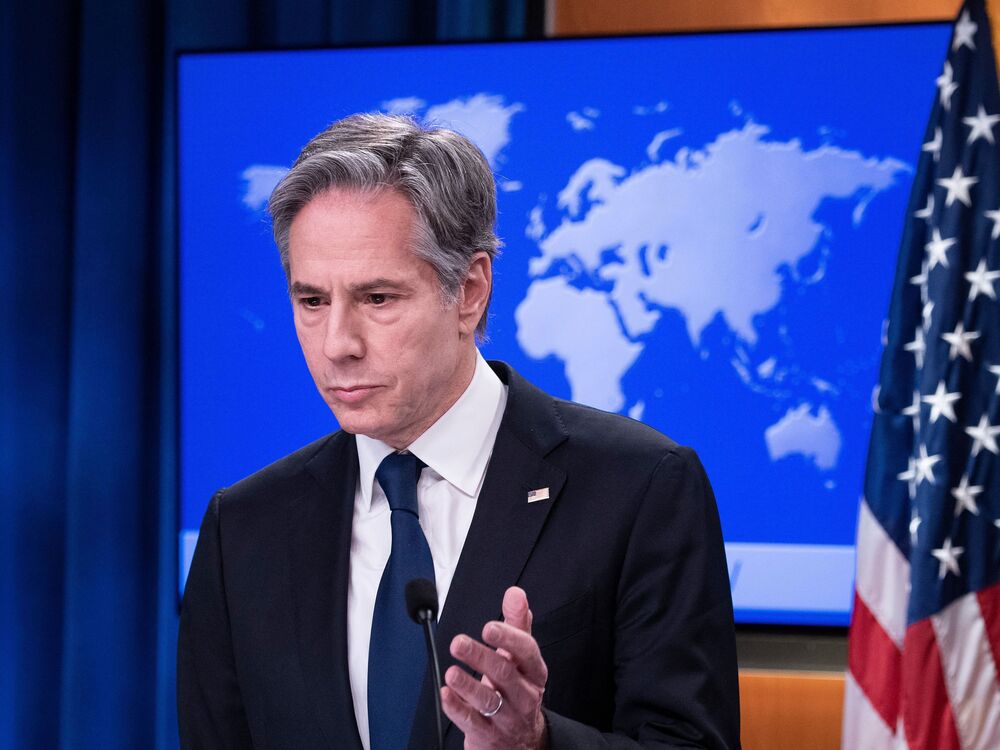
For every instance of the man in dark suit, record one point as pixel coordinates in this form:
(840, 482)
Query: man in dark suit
(292, 632)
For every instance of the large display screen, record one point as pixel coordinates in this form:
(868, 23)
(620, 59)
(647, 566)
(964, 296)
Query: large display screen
(700, 232)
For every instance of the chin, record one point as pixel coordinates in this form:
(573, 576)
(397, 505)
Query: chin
(357, 425)
(353, 426)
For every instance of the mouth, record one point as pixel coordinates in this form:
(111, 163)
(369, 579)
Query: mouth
(352, 394)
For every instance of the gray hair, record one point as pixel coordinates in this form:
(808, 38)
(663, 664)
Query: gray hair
(444, 176)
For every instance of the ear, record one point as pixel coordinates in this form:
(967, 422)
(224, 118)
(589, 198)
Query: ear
(474, 294)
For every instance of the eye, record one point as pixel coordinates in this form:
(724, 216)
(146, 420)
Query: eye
(378, 299)
(311, 302)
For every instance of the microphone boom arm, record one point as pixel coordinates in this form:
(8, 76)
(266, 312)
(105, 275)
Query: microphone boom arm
(428, 622)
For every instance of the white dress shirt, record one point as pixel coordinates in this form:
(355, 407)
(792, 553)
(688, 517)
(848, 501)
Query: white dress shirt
(456, 450)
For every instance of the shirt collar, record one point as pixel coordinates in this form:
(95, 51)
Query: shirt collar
(457, 446)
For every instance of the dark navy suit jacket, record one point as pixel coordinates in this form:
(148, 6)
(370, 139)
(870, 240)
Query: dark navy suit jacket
(623, 566)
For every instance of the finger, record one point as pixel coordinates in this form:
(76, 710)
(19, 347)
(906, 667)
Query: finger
(515, 609)
(520, 648)
(497, 670)
(471, 690)
(466, 717)
(506, 719)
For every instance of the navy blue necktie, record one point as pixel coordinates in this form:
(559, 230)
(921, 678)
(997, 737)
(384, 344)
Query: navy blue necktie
(397, 659)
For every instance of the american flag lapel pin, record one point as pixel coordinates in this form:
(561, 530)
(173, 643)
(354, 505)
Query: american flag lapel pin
(540, 494)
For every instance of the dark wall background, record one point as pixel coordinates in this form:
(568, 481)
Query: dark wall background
(87, 325)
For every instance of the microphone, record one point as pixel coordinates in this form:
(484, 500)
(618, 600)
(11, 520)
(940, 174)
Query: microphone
(421, 600)
(422, 606)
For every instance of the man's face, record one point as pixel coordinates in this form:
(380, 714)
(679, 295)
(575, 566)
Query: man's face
(386, 354)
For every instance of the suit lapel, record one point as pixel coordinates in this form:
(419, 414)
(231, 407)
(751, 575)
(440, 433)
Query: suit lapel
(501, 537)
(504, 527)
(319, 547)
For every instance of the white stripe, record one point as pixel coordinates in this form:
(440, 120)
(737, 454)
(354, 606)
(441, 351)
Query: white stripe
(864, 728)
(969, 673)
(883, 575)
(751, 576)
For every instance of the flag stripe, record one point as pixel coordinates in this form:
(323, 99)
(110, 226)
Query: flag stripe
(882, 574)
(875, 662)
(989, 604)
(927, 715)
(969, 673)
(864, 727)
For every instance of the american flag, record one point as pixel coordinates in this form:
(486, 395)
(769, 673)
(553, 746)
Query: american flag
(924, 651)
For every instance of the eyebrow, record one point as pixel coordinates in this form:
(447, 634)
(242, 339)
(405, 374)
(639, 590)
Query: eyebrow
(299, 288)
(379, 283)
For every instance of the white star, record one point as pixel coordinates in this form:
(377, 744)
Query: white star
(934, 147)
(942, 403)
(925, 212)
(925, 466)
(958, 187)
(960, 340)
(910, 476)
(926, 314)
(982, 281)
(915, 522)
(995, 369)
(918, 347)
(994, 216)
(965, 30)
(913, 410)
(982, 125)
(984, 435)
(946, 84)
(920, 280)
(966, 497)
(938, 248)
(948, 556)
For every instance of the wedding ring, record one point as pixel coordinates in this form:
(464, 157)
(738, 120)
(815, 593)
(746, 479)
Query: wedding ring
(491, 714)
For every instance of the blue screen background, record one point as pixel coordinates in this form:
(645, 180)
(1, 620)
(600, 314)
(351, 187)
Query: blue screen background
(247, 398)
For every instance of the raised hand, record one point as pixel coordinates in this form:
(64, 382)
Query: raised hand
(503, 710)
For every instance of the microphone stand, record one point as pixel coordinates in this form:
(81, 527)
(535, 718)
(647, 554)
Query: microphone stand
(427, 620)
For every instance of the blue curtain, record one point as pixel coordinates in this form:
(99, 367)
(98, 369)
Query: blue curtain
(88, 523)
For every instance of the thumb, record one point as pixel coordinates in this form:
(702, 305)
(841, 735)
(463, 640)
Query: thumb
(515, 609)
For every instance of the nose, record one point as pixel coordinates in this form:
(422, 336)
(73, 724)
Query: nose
(343, 338)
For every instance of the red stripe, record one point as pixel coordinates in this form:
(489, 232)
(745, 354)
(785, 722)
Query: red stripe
(875, 662)
(927, 714)
(989, 603)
